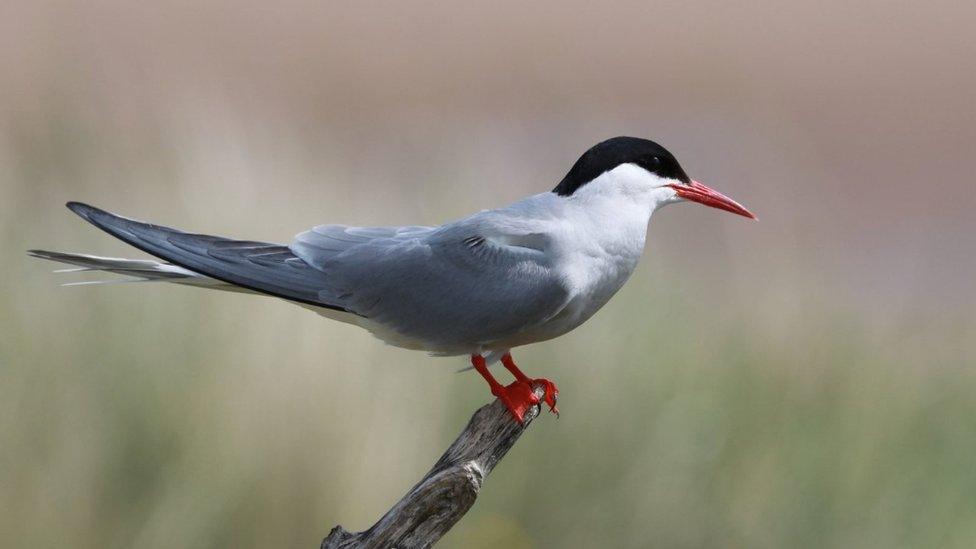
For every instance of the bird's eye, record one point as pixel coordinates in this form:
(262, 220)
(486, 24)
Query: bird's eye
(656, 160)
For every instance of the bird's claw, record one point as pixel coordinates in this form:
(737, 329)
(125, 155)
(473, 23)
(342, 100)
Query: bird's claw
(552, 393)
(519, 396)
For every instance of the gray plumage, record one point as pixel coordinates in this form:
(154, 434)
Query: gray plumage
(441, 288)
(259, 266)
(527, 272)
(446, 290)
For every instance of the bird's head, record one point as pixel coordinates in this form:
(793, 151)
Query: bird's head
(642, 169)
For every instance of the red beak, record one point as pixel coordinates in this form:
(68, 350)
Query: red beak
(696, 192)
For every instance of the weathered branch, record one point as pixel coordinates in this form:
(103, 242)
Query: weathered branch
(446, 493)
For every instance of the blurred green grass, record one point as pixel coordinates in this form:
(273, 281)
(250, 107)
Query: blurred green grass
(157, 416)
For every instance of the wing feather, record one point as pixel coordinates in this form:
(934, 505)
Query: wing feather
(447, 289)
(259, 266)
(454, 287)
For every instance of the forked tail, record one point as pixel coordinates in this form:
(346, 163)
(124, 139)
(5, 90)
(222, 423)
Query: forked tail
(134, 270)
(201, 260)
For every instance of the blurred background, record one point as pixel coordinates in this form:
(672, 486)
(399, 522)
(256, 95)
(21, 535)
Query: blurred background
(804, 381)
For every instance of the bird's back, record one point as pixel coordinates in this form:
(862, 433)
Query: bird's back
(459, 288)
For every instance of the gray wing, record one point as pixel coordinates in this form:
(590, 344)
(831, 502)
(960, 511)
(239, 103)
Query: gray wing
(450, 287)
(323, 242)
(259, 266)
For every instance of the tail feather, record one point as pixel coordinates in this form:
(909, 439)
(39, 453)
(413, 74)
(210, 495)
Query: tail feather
(261, 267)
(137, 270)
(102, 282)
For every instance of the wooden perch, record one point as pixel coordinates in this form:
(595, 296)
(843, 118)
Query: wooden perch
(446, 493)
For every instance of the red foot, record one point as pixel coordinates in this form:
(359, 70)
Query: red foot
(552, 392)
(518, 396)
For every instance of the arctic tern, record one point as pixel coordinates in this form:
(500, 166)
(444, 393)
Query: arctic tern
(479, 286)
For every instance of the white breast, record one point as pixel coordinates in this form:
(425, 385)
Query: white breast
(595, 250)
(597, 267)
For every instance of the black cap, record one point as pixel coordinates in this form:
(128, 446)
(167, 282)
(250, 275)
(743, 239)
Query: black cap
(609, 154)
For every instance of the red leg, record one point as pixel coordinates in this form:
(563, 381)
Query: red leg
(517, 397)
(552, 392)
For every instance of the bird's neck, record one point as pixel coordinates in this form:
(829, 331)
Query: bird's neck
(598, 247)
(617, 227)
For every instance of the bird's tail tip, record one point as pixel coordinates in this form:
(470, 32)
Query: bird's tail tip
(43, 254)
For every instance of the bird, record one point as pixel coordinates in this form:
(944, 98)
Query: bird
(478, 287)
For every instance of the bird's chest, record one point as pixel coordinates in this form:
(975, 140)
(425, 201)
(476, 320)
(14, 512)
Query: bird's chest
(597, 269)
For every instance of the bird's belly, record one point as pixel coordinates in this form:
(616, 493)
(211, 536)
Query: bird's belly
(593, 283)
(578, 310)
